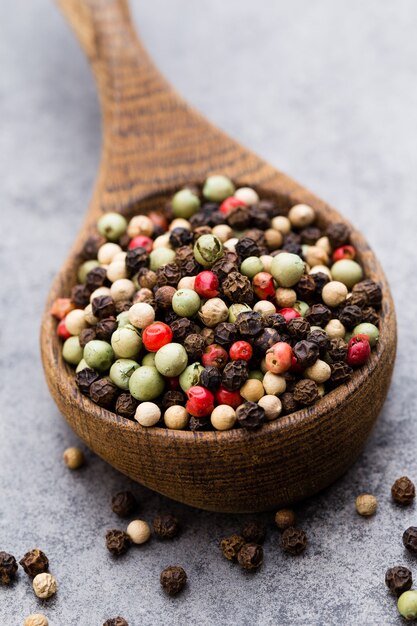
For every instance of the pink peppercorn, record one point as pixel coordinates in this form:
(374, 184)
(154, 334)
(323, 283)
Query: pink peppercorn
(263, 285)
(231, 398)
(241, 351)
(229, 204)
(359, 350)
(62, 330)
(206, 284)
(141, 241)
(214, 355)
(289, 313)
(200, 401)
(344, 252)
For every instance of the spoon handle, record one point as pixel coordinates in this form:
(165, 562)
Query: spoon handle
(153, 140)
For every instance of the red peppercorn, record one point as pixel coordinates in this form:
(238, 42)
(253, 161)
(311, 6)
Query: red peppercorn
(232, 398)
(289, 313)
(156, 335)
(263, 285)
(344, 252)
(229, 204)
(141, 241)
(278, 358)
(62, 330)
(359, 350)
(207, 284)
(241, 351)
(200, 401)
(158, 219)
(61, 307)
(215, 355)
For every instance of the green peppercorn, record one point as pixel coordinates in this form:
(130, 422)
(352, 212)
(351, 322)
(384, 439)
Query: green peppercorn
(407, 604)
(218, 188)
(160, 257)
(347, 272)
(256, 375)
(190, 376)
(123, 319)
(149, 359)
(82, 365)
(185, 203)
(112, 226)
(171, 359)
(370, 330)
(207, 250)
(287, 269)
(72, 352)
(235, 309)
(98, 355)
(85, 268)
(301, 307)
(121, 371)
(126, 342)
(251, 266)
(146, 383)
(186, 302)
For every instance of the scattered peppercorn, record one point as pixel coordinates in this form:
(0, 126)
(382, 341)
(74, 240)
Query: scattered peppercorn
(366, 505)
(8, 568)
(173, 579)
(410, 539)
(34, 562)
(293, 541)
(124, 504)
(284, 518)
(253, 532)
(166, 526)
(403, 491)
(117, 542)
(398, 579)
(230, 546)
(250, 556)
(73, 458)
(36, 619)
(44, 585)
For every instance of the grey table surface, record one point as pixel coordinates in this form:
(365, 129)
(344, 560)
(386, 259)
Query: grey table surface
(326, 91)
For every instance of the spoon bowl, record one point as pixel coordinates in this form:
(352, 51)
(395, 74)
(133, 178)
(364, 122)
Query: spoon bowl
(154, 143)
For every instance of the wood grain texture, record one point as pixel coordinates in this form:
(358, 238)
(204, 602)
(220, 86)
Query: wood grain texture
(153, 142)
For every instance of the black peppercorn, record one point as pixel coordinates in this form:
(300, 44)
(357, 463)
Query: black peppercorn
(306, 352)
(34, 562)
(199, 423)
(147, 279)
(169, 274)
(398, 579)
(238, 218)
(230, 546)
(359, 298)
(253, 532)
(310, 234)
(166, 526)
(370, 290)
(370, 315)
(117, 542)
(225, 334)
(126, 405)
(86, 335)
(124, 241)
(80, 296)
(306, 288)
(338, 234)
(103, 306)
(247, 247)
(306, 392)
(116, 621)
(97, 277)
(201, 230)
(104, 392)
(293, 541)
(136, 259)
(105, 328)
(289, 403)
(318, 315)
(210, 378)
(172, 398)
(321, 279)
(181, 328)
(293, 248)
(124, 504)
(163, 297)
(269, 207)
(173, 579)
(250, 415)
(184, 254)
(265, 340)
(350, 316)
(337, 350)
(235, 374)
(340, 372)
(250, 556)
(222, 268)
(124, 305)
(259, 218)
(249, 323)
(403, 491)
(194, 345)
(198, 219)
(410, 539)
(298, 328)
(320, 338)
(180, 237)
(85, 378)
(277, 322)
(190, 268)
(91, 247)
(238, 288)
(8, 568)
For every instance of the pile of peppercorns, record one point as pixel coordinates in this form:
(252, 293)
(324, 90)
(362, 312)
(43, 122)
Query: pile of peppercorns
(220, 310)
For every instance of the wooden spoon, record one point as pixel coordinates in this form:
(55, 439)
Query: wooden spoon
(153, 143)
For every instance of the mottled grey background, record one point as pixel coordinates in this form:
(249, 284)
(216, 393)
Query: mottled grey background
(327, 91)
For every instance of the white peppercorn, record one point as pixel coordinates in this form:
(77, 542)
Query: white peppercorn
(323, 269)
(162, 242)
(230, 244)
(140, 225)
(335, 329)
(107, 252)
(213, 312)
(179, 222)
(285, 297)
(316, 256)
(88, 315)
(116, 270)
(324, 243)
(187, 282)
(223, 232)
(100, 291)
(147, 414)
(264, 307)
(247, 195)
(266, 262)
(334, 293)
(319, 372)
(139, 531)
(223, 417)
(122, 289)
(366, 505)
(141, 315)
(301, 215)
(75, 321)
(176, 417)
(282, 224)
(272, 406)
(274, 384)
(73, 458)
(252, 390)
(44, 585)
(36, 619)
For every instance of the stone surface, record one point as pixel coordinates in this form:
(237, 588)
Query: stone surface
(325, 91)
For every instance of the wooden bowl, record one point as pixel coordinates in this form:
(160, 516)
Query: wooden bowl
(153, 144)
